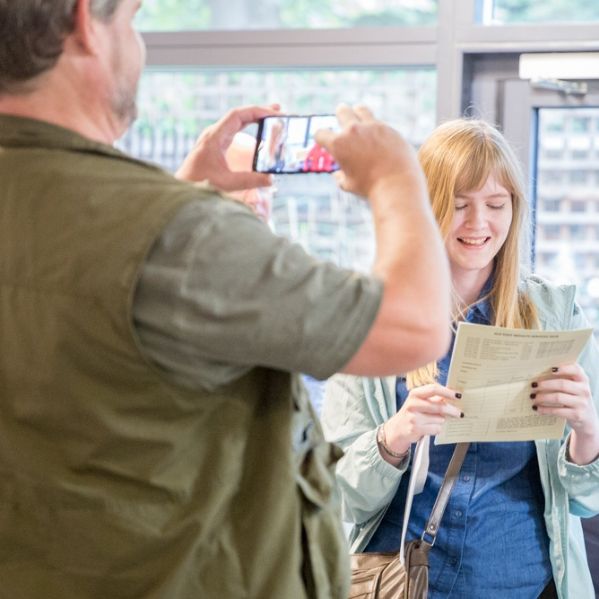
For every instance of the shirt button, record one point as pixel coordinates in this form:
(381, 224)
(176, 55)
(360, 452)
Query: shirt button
(466, 478)
(453, 561)
(458, 513)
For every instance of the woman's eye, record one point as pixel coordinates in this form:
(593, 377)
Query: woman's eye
(460, 206)
(496, 206)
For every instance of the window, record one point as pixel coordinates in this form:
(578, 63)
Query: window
(169, 15)
(546, 259)
(580, 260)
(175, 105)
(578, 206)
(552, 154)
(578, 177)
(551, 231)
(551, 205)
(533, 11)
(552, 125)
(551, 177)
(580, 124)
(580, 154)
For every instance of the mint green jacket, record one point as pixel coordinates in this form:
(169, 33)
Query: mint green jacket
(355, 406)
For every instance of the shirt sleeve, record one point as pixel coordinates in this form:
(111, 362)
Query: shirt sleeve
(367, 482)
(219, 294)
(581, 482)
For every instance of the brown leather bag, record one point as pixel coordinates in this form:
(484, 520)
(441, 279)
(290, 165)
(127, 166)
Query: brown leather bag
(383, 576)
(404, 574)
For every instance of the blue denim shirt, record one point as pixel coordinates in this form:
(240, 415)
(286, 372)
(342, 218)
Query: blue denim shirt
(499, 489)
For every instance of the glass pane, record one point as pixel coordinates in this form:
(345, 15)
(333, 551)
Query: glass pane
(172, 15)
(176, 105)
(567, 211)
(533, 11)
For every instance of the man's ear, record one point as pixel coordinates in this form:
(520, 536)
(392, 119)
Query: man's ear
(84, 27)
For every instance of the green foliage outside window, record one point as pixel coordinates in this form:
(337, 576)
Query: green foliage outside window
(533, 11)
(191, 99)
(169, 15)
(173, 14)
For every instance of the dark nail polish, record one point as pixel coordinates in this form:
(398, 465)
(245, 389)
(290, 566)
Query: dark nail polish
(458, 396)
(534, 385)
(533, 395)
(554, 369)
(535, 408)
(461, 414)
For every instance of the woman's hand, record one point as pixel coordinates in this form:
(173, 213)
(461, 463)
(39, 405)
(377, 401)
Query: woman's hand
(423, 413)
(565, 392)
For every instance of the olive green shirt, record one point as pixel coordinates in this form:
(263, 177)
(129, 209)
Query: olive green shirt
(219, 294)
(119, 476)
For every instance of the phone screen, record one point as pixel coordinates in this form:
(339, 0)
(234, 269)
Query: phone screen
(285, 144)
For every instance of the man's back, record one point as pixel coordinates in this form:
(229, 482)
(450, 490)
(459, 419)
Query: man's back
(154, 439)
(116, 482)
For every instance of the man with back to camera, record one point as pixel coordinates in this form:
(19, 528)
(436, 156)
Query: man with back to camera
(155, 440)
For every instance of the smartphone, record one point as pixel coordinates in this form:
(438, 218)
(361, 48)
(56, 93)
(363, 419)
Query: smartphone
(285, 144)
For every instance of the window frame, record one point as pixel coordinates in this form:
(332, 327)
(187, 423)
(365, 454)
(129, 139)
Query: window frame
(453, 48)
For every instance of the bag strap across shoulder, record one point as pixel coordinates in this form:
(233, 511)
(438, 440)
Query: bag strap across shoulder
(451, 475)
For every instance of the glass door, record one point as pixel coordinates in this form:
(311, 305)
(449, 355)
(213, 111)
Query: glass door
(557, 137)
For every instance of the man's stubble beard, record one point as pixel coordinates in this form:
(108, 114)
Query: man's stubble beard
(124, 99)
(124, 105)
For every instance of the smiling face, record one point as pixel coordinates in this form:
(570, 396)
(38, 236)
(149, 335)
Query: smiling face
(479, 228)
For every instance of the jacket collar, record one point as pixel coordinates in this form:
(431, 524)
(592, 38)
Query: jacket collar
(21, 132)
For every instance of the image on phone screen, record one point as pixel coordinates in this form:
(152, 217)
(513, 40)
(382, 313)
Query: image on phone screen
(285, 144)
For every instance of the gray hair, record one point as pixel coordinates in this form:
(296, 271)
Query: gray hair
(32, 33)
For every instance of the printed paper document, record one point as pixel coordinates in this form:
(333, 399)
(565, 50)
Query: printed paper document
(493, 368)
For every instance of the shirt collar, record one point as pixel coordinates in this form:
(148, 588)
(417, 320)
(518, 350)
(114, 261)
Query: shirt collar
(482, 308)
(21, 132)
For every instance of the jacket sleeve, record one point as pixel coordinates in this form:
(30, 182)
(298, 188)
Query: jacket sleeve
(350, 417)
(582, 482)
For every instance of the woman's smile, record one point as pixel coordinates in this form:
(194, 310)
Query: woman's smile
(474, 243)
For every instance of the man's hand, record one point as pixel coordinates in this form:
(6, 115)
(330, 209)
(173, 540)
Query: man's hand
(207, 162)
(411, 327)
(369, 152)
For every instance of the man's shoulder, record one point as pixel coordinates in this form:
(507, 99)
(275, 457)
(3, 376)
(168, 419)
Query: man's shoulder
(110, 171)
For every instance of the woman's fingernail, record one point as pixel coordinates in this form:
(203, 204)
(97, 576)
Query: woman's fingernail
(533, 395)
(554, 369)
(461, 414)
(534, 385)
(458, 396)
(535, 408)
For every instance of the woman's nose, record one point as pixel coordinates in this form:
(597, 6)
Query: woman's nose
(475, 217)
